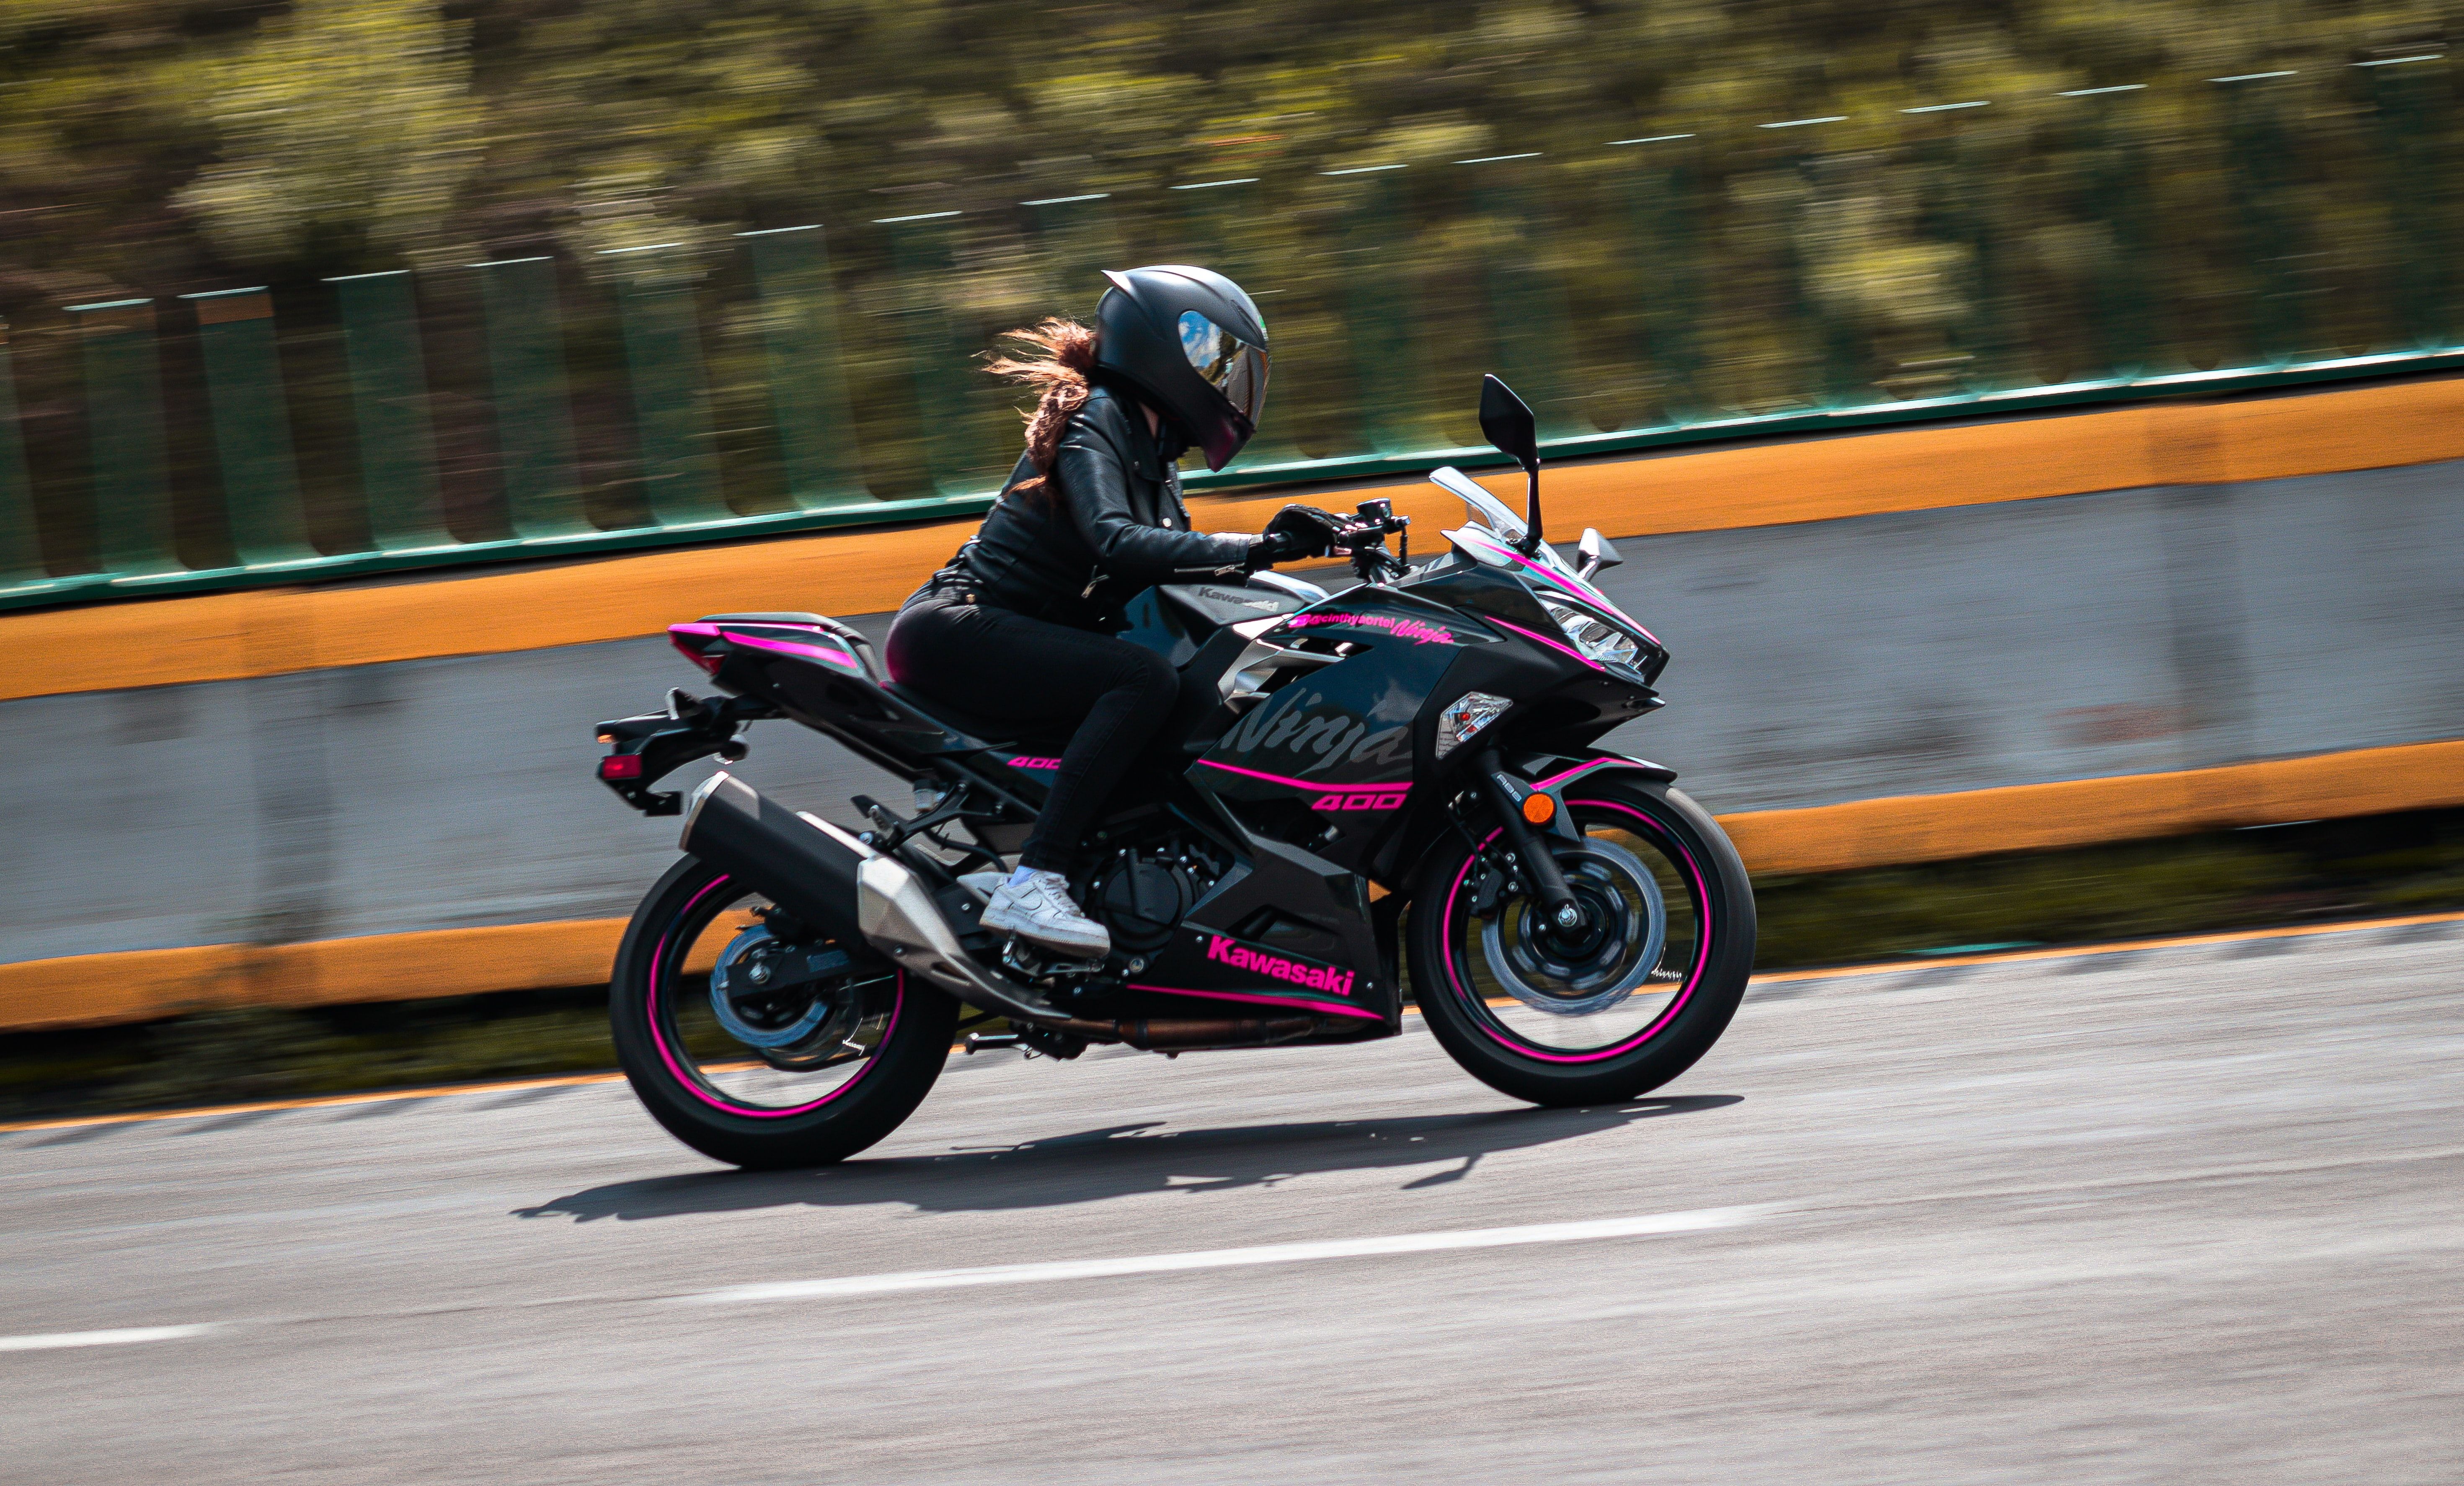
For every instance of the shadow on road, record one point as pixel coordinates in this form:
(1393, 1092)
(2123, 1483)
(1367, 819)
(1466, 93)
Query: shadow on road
(1120, 1160)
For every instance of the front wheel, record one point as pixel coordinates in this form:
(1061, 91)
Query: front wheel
(758, 1042)
(1617, 1006)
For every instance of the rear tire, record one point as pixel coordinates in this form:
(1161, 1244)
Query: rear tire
(1513, 1007)
(798, 1119)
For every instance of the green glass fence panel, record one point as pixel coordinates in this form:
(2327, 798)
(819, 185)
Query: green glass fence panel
(1381, 323)
(252, 426)
(1527, 304)
(663, 356)
(21, 546)
(2413, 119)
(1832, 348)
(2127, 231)
(1980, 178)
(533, 414)
(2125, 289)
(808, 391)
(123, 398)
(389, 405)
(940, 362)
(1665, 272)
(2258, 163)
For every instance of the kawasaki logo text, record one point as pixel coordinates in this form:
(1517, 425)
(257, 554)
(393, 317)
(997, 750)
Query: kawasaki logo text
(1315, 977)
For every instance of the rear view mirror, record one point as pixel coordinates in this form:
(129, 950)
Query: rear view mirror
(1594, 553)
(1507, 422)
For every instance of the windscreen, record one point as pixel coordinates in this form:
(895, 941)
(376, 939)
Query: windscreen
(1486, 509)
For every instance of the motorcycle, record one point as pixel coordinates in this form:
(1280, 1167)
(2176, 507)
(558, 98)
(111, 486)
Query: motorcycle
(1397, 776)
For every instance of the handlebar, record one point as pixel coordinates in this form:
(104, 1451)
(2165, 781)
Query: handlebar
(1364, 540)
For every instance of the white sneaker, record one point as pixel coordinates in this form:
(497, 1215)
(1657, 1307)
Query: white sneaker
(984, 884)
(1040, 912)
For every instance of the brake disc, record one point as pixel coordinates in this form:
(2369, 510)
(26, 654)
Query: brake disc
(1602, 962)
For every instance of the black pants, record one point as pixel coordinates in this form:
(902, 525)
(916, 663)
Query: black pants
(1041, 677)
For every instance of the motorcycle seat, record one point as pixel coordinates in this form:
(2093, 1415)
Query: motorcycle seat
(984, 730)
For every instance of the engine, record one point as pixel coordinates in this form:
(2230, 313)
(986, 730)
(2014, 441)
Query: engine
(1142, 893)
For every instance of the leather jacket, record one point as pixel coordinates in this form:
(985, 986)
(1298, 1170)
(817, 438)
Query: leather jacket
(1108, 523)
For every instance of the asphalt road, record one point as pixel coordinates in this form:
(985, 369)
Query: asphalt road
(2185, 1215)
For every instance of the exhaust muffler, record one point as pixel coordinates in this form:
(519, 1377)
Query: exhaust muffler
(800, 862)
(817, 871)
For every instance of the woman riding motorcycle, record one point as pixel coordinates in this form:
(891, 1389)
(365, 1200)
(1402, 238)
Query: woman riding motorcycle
(1015, 629)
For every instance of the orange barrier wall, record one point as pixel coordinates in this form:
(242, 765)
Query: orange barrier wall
(141, 984)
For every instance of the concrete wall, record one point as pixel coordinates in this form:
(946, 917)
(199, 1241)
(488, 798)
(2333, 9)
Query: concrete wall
(1970, 647)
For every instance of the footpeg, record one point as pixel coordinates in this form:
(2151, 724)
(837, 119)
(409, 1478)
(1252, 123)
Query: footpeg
(991, 1042)
(1036, 965)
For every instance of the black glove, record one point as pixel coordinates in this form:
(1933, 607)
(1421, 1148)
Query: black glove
(1296, 532)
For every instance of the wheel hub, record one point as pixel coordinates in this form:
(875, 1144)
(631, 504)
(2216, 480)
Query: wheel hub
(1604, 956)
(790, 1003)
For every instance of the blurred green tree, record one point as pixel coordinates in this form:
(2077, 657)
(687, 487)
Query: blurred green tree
(347, 128)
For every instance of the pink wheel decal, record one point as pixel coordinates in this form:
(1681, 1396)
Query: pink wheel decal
(1456, 982)
(663, 969)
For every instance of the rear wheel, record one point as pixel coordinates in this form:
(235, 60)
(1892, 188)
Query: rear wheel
(1620, 1004)
(762, 1044)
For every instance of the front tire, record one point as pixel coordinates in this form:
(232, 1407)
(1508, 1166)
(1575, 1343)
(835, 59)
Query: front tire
(867, 1041)
(1616, 1008)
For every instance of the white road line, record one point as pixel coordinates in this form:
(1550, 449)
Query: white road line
(59, 1339)
(1233, 1258)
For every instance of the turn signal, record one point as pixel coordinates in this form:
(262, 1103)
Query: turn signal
(1539, 809)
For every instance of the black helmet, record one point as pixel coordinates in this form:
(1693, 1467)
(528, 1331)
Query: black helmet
(1195, 345)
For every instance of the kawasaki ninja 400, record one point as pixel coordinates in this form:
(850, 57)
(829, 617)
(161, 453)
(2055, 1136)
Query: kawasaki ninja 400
(1407, 760)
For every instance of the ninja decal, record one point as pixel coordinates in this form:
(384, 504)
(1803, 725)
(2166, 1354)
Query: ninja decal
(1322, 738)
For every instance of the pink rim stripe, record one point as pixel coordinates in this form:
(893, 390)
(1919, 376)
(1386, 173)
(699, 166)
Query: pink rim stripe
(1702, 950)
(660, 969)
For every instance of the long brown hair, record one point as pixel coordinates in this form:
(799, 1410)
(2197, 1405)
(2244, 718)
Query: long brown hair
(1060, 357)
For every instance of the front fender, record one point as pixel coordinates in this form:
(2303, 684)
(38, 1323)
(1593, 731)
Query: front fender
(1555, 773)
(1552, 773)
(1545, 773)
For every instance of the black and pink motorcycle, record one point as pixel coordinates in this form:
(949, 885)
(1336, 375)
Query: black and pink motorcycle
(1399, 775)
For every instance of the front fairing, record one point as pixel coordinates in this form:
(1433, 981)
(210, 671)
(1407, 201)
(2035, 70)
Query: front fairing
(1512, 595)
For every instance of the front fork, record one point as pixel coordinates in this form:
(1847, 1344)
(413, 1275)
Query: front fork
(1509, 797)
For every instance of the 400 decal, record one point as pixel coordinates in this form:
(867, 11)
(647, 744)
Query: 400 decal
(1382, 798)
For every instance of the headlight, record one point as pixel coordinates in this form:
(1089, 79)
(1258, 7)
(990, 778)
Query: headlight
(1596, 638)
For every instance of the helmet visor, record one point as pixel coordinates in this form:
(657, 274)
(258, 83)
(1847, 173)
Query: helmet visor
(1230, 365)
